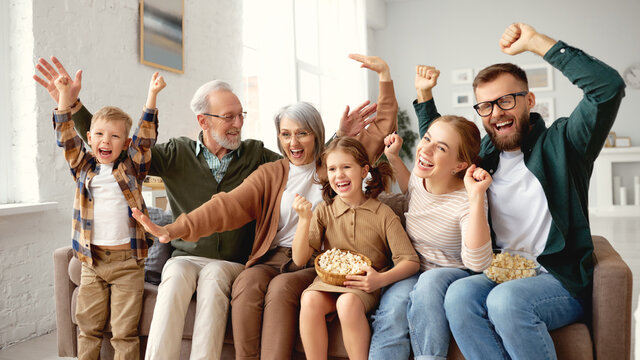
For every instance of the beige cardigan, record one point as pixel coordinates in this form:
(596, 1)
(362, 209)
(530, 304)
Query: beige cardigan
(258, 197)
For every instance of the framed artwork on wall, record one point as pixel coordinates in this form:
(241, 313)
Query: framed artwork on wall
(611, 140)
(462, 76)
(462, 99)
(623, 141)
(544, 107)
(540, 77)
(161, 34)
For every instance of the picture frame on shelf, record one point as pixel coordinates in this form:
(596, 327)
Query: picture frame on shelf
(462, 99)
(622, 141)
(539, 76)
(545, 107)
(611, 140)
(462, 76)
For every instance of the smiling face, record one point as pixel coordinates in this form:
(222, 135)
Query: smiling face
(345, 176)
(506, 128)
(437, 153)
(297, 143)
(227, 133)
(107, 138)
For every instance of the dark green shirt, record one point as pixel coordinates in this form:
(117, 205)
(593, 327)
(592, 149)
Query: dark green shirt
(189, 183)
(561, 158)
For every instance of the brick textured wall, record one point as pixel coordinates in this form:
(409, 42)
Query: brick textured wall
(102, 38)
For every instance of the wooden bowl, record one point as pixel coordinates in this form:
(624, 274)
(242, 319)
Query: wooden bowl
(333, 278)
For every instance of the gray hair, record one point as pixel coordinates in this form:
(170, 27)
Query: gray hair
(309, 119)
(200, 100)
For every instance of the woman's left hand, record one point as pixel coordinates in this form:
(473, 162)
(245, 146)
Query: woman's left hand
(368, 283)
(477, 181)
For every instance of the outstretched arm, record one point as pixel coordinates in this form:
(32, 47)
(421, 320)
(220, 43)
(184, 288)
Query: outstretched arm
(300, 249)
(426, 80)
(156, 85)
(393, 144)
(50, 74)
(156, 230)
(387, 118)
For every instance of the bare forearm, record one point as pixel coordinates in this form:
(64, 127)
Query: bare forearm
(478, 233)
(540, 44)
(401, 271)
(300, 249)
(400, 170)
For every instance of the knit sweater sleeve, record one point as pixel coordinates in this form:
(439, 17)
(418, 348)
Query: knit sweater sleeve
(387, 122)
(224, 211)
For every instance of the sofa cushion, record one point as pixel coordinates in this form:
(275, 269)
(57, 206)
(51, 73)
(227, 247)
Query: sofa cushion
(75, 270)
(159, 252)
(397, 202)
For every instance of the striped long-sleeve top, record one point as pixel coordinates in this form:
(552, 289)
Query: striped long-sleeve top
(437, 226)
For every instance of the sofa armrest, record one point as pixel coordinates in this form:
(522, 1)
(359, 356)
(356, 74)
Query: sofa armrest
(612, 286)
(63, 288)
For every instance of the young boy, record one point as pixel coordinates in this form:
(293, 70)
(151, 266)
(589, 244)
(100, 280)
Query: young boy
(106, 239)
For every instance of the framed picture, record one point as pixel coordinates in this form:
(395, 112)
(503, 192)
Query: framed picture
(544, 107)
(623, 141)
(540, 77)
(462, 76)
(161, 34)
(611, 140)
(462, 99)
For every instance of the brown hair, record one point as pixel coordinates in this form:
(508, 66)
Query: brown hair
(381, 175)
(112, 113)
(491, 72)
(469, 135)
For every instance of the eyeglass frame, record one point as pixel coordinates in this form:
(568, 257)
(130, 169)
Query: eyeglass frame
(242, 115)
(297, 135)
(495, 102)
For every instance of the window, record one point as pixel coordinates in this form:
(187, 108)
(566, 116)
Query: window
(5, 105)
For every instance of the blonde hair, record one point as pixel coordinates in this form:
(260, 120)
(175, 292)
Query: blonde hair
(113, 113)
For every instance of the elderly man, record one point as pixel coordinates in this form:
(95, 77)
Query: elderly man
(193, 171)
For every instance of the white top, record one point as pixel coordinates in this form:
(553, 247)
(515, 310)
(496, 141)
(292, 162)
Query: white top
(300, 181)
(110, 209)
(520, 214)
(437, 227)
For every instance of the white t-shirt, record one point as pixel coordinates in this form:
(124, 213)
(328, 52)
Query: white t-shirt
(110, 210)
(300, 181)
(519, 210)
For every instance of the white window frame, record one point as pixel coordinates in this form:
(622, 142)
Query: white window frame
(5, 105)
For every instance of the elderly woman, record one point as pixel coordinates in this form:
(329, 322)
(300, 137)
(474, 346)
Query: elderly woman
(266, 295)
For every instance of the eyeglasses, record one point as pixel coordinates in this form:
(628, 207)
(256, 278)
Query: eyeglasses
(301, 136)
(506, 102)
(229, 118)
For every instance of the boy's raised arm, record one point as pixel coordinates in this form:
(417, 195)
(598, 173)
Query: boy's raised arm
(157, 84)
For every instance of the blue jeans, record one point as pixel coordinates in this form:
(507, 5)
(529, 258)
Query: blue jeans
(411, 314)
(511, 320)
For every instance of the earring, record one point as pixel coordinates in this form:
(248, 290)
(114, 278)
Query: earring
(453, 172)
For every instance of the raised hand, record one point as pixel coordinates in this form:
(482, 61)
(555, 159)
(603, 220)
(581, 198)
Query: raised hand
(367, 283)
(520, 37)
(352, 122)
(51, 74)
(63, 86)
(426, 77)
(158, 231)
(302, 206)
(392, 145)
(157, 83)
(476, 181)
(373, 63)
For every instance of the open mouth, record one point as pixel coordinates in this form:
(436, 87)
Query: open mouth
(423, 163)
(104, 153)
(297, 153)
(503, 125)
(343, 186)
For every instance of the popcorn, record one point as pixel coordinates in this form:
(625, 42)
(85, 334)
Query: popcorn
(505, 267)
(341, 262)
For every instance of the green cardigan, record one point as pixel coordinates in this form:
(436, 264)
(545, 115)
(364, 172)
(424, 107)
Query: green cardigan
(561, 158)
(189, 183)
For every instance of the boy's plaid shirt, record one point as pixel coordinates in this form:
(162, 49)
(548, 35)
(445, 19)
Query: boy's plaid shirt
(129, 171)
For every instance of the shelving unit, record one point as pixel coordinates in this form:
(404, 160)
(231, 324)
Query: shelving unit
(603, 175)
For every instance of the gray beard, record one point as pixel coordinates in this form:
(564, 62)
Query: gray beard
(226, 143)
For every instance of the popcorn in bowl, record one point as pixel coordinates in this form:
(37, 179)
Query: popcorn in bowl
(505, 267)
(334, 265)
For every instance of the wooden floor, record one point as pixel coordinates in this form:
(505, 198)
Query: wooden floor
(623, 233)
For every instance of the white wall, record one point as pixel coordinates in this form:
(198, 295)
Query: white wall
(464, 34)
(101, 37)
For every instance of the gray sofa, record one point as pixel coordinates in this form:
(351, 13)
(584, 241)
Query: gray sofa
(609, 337)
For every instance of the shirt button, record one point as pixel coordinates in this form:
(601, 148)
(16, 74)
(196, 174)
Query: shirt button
(562, 51)
(491, 171)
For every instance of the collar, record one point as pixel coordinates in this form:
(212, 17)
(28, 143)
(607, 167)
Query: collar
(340, 207)
(200, 146)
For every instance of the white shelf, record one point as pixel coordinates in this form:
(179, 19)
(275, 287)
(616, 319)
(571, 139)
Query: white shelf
(603, 175)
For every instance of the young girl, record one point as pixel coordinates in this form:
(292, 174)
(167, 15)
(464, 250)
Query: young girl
(447, 224)
(354, 220)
